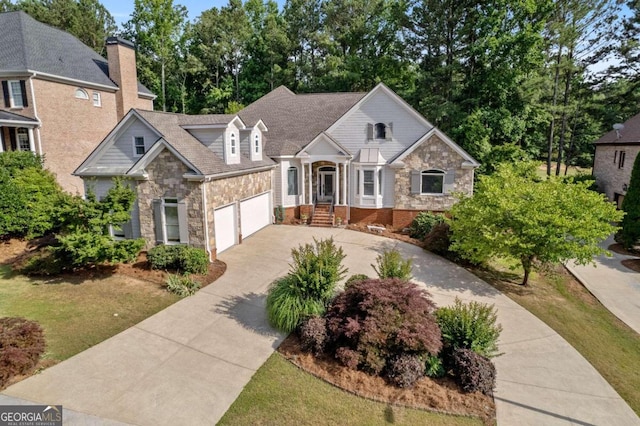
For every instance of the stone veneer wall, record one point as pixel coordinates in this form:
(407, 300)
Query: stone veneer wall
(433, 154)
(609, 177)
(165, 180)
(221, 192)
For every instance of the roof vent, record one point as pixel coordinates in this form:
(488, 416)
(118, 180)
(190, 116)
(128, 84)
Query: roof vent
(617, 127)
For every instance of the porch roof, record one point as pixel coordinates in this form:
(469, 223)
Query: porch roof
(16, 120)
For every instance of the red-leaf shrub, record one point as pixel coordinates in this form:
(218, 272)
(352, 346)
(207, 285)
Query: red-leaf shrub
(405, 370)
(473, 372)
(21, 344)
(381, 320)
(313, 335)
(348, 357)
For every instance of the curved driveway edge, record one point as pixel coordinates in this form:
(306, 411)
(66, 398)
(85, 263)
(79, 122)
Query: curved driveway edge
(189, 362)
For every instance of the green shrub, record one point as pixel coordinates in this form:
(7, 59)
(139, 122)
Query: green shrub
(423, 223)
(355, 278)
(313, 335)
(473, 372)
(287, 307)
(434, 366)
(629, 233)
(390, 264)
(87, 248)
(405, 370)
(189, 260)
(11, 161)
(43, 263)
(21, 345)
(470, 325)
(373, 322)
(182, 285)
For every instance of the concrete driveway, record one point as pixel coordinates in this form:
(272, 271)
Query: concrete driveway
(188, 363)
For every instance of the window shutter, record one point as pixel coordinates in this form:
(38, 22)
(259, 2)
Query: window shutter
(5, 91)
(449, 181)
(183, 223)
(388, 131)
(157, 220)
(127, 228)
(23, 89)
(415, 182)
(369, 131)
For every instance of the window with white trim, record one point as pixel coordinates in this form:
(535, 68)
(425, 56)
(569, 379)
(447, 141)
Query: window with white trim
(256, 144)
(232, 144)
(15, 94)
(22, 139)
(171, 221)
(432, 181)
(81, 93)
(368, 182)
(292, 181)
(138, 146)
(96, 99)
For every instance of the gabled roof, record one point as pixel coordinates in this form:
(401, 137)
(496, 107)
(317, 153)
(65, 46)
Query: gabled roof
(11, 118)
(469, 160)
(296, 120)
(28, 45)
(628, 135)
(326, 138)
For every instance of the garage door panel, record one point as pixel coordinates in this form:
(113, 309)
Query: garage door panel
(225, 227)
(255, 214)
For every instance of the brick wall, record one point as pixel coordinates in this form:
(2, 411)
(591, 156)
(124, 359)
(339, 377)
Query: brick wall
(381, 216)
(28, 111)
(609, 177)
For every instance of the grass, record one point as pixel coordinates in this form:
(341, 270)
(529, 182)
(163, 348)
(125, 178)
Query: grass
(561, 302)
(573, 170)
(77, 313)
(282, 394)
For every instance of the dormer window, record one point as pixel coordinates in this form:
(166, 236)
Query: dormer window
(81, 94)
(380, 131)
(256, 144)
(233, 144)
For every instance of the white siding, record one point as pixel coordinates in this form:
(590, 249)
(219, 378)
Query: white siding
(277, 183)
(380, 108)
(100, 187)
(388, 187)
(245, 143)
(211, 138)
(322, 147)
(229, 158)
(120, 154)
(289, 200)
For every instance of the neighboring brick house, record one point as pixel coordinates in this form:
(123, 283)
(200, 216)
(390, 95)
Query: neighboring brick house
(616, 152)
(212, 180)
(59, 97)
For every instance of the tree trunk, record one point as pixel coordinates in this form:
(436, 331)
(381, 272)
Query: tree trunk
(553, 110)
(565, 103)
(164, 92)
(527, 262)
(572, 142)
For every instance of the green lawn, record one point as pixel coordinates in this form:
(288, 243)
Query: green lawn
(282, 394)
(566, 306)
(77, 314)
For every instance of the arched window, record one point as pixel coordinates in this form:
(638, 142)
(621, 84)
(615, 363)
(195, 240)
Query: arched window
(432, 181)
(256, 144)
(232, 142)
(81, 94)
(380, 131)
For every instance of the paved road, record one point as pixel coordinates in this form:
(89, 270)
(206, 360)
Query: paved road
(615, 286)
(188, 363)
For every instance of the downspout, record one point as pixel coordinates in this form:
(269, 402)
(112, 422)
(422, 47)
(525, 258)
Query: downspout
(206, 219)
(35, 113)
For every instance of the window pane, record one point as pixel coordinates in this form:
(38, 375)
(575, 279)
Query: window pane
(23, 140)
(292, 181)
(16, 94)
(368, 182)
(139, 145)
(432, 184)
(171, 223)
(96, 99)
(380, 131)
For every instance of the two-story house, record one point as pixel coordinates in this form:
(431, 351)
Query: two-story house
(212, 180)
(59, 97)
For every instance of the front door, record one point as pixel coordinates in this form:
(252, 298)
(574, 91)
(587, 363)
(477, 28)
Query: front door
(326, 185)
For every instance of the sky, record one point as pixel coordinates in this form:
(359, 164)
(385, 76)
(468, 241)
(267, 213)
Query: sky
(122, 9)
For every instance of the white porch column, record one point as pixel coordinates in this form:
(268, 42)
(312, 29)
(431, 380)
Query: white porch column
(337, 183)
(310, 183)
(345, 174)
(303, 183)
(32, 145)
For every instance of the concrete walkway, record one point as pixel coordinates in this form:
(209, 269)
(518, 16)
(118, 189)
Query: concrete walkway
(614, 285)
(188, 363)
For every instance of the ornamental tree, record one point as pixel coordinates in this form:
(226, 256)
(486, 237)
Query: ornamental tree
(514, 214)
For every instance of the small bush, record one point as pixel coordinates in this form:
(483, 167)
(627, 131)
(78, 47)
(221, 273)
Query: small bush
(182, 285)
(21, 345)
(381, 320)
(438, 240)
(189, 260)
(287, 308)
(423, 223)
(390, 264)
(434, 367)
(355, 278)
(471, 326)
(405, 370)
(313, 335)
(473, 372)
(44, 263)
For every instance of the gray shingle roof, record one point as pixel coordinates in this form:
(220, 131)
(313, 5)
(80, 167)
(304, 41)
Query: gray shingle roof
(205, 160)
(10, 116)
(629, 134)
(295, 120)
(31, 45)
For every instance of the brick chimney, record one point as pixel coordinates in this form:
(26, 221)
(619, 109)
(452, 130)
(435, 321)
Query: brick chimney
(121, 56)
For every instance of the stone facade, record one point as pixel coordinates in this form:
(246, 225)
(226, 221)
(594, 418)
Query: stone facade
(433, 154)
(610, 178)
(165, 180)
(222, 192)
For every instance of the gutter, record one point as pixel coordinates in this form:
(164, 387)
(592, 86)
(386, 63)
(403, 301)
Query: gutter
(35, 114)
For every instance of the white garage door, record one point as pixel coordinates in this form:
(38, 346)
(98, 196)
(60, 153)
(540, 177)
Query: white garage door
(255, 214)
(225, 227)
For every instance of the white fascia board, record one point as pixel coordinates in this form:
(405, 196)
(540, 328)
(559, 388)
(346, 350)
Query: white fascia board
(260, 124)
(15, 123)
(204, 126)
(73, 81)
(240, 172)
(324, 136)
(16, 73)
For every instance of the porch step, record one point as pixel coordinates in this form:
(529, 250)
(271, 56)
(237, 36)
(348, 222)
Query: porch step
(322, 216)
